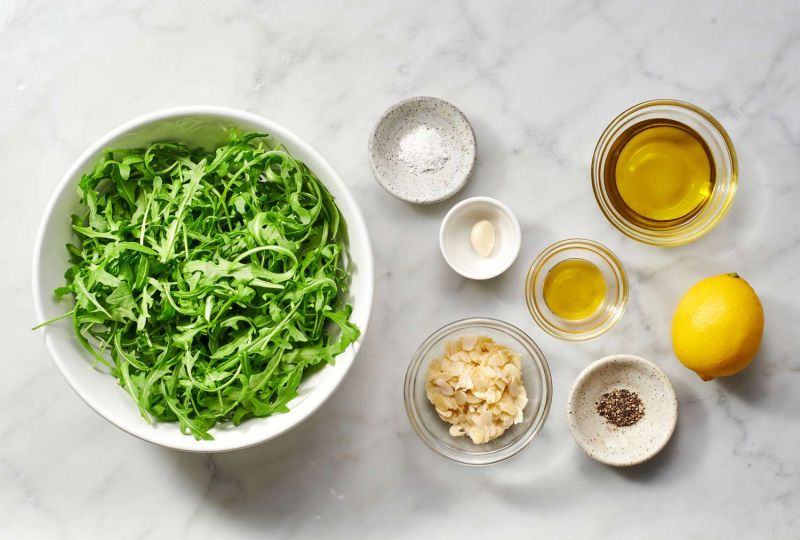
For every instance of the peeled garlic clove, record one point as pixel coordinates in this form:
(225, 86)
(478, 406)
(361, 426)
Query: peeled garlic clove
(482, 237)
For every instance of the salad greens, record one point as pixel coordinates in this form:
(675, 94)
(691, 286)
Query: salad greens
(207, 278)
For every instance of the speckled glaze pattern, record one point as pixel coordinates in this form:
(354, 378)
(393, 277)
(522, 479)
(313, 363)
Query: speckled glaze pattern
(425, 187)
(630, 445)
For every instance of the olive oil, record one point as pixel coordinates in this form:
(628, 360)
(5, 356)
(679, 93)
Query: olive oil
(660, 173)
(574, 289)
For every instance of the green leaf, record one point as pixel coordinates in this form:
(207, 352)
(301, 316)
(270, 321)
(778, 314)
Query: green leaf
(122, 303)
(188, 425)
(61, 292)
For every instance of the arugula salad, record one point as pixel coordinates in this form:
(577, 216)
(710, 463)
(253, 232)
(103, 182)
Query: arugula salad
(208, 278)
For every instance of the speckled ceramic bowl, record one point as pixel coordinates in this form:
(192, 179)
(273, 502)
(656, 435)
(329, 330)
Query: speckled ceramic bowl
(397, 177)
(629, 445)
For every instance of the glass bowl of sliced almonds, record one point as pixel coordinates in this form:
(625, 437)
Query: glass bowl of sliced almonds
(478, 391)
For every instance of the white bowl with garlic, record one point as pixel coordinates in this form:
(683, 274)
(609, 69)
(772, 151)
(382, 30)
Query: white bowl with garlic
(478, 391)
(480, 238)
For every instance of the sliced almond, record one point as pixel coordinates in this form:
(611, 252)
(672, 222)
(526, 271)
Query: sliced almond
(468, 343)
(457, 431)
(444, 388)
(481, 384)
(477, 387)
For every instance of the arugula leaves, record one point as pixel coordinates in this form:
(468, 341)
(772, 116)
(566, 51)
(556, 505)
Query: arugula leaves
(208, 278)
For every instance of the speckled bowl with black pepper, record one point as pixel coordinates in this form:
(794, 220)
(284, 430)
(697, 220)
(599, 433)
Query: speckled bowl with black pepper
(627, 445)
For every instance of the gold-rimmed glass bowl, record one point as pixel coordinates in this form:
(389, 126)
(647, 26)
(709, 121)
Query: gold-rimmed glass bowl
(609, 312)
(721, 152)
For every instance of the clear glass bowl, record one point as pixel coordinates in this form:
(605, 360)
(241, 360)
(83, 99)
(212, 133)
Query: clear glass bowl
(609, 312)
(435, 433)
(722, 152)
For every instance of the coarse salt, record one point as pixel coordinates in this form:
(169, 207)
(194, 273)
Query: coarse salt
(423, 150)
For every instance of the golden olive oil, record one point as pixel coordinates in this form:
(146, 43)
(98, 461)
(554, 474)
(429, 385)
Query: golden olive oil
(660, 173)
(574, 289)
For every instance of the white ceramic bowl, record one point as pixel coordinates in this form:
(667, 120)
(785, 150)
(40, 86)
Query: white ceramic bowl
(457, 248)
(628, 445)
(195, 126)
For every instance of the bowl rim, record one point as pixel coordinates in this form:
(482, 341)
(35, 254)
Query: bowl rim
(416, 361)
(607, 324)
(315, 399)
(517, 238)
(592, 368)
(599, 191)
(457, 186)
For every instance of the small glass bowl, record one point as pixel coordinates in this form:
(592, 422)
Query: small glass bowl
(609, 312)
(722, 152)
(434, 431)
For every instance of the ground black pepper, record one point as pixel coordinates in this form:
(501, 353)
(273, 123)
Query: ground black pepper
(621, 407)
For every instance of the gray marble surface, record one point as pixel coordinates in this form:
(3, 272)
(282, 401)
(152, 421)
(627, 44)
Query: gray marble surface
(539, 81)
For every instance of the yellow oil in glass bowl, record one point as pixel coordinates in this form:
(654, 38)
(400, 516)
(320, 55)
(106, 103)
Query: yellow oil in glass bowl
(574, 289)
(664, 172)
(660, 170)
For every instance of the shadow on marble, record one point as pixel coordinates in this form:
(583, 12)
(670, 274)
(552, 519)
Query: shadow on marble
(533, 478)
(752, 384)
(749, 385)
(690, 438)
(266, 485)
(658, 467)
(759, 384)
(327, 463)
(749, 214)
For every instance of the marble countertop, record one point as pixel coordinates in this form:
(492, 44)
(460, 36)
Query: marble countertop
(539, 81)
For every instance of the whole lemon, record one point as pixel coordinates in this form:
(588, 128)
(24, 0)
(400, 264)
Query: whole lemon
(717, 326)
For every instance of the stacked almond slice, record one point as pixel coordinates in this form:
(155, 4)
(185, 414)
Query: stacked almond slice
(477, 387)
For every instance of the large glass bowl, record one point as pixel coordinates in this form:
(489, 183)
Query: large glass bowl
(434, 432)
(725, 165)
